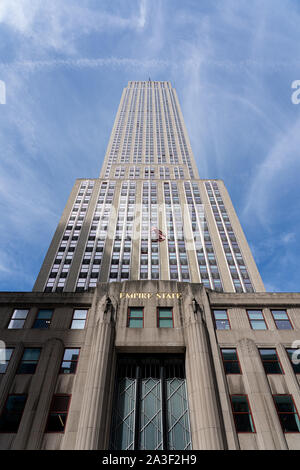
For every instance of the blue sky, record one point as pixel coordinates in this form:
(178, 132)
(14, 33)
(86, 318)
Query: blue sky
(232, 62)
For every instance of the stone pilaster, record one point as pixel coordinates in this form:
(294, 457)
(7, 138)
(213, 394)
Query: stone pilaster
(267, 426)
(206, 426)
(41, 390)
(94, 412)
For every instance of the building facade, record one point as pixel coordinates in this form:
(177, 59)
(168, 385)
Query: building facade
(148, 327)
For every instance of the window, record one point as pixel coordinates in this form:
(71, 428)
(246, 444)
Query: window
(70, 361)
(221, 320)
(270, 361)
(150, 404)
(230, 361)
(57, 417)
(291, 352)
(79, 319)
(29, 361)
(165, 317)
(281, 320)
(12, 413)
(242, 414)
(18, 318)
(135, 317)
(43, 319)
(7, 355)
(287, 413)
(256, 320)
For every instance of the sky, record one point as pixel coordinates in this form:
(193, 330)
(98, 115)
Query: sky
(64, 64)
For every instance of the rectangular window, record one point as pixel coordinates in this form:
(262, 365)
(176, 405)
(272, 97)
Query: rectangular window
(281, 320)
(242, 414)
(29, 361)
(18, 318)
(294, 356)
(12, 413)
(43, 319)
(135, 317)
(57, 417)
(287, 413)
(70, 361)
(165, 317)
(270, 361)
(7, 355)
(256, 320)
(79, 319)
(221, 320)
(230, 361)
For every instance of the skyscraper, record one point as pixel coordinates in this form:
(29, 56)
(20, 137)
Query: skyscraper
(148, 327)
(149, 186)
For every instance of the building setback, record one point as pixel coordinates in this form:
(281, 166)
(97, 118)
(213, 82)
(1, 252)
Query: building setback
(148, 326)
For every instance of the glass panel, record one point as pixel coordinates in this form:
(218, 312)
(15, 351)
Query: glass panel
(165, 312)
(258, 325)
(12, 413)
(222, 325)
(151, 415)
(122, 437)
(220, 314)
(45, 314)
(279, 315)
(165, 323)
(255, 315)
(16, 324)
(80, 314)
(296, 367)
(229, 354)
(136, 312)
(135, 323)
(20, 313)
(283, 325)
(178, 425)
(78, 325)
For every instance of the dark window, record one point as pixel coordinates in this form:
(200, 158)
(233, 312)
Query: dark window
(5, 355)
(29, 361)
(294, 355)
(57, 417)
(281, 320)
(43, 319)
(256, 320)
(287, 413)
(270, 361)
(18, 318)
(135, 317)
(12, 413)
(165, 317)
(221, 320)
(70, 361)
(79, 319)
(242, 414)
(230, 361)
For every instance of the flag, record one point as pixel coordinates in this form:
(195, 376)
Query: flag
(157, 235)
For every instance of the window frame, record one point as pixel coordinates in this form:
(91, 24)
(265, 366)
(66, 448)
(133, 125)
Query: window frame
(135, 318)
(66, 412)
(164, 318)
(263, 319)
(271, 361)
(235, 361)
(288, 319)
(21, 361)
(62, 361)
(214, 318)
(7, 362)
(85, 320)
(22, 319)
(281, 413)
(249, 413)
(21, 415)
(36, 319)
